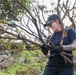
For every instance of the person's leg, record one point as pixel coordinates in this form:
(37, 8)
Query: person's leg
(49, 71)
(66, 71)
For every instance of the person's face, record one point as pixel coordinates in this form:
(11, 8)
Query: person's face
(55, 26)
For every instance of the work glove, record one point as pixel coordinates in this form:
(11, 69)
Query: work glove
(58, 49)
(45, 48)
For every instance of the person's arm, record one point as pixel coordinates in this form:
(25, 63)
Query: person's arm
(70, 47)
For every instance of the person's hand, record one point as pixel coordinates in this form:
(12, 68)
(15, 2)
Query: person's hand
(58, 49)
(45, 48)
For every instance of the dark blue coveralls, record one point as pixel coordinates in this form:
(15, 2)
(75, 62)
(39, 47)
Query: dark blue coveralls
(56, 64)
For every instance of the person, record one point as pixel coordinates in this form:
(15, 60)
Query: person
(63, 40)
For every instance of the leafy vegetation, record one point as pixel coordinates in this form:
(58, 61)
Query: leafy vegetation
(31, 65)
(9, 9)
(28, 62)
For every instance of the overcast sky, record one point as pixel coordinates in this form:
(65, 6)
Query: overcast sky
(48, 5)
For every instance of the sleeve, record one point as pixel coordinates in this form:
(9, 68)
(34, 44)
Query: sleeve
(72, 35)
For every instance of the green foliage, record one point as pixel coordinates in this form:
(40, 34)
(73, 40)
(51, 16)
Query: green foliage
(21, 45)
(36, 53)
(21, 70)
(25, 2)
(9, 9)
(30, 66)
(28, 71)
(25, 54)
